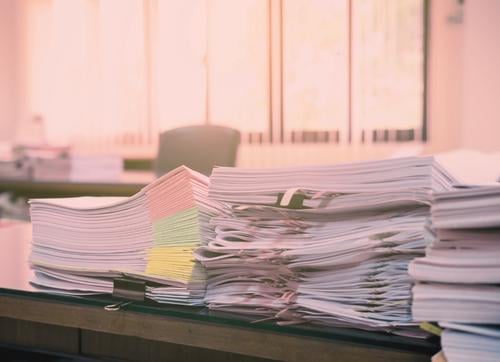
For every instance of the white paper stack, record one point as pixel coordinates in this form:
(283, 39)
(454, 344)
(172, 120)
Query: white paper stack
(470, 342)
(80, 244)
(459, 278)
(14, 170)
(51, 169)
(462, 267)
(325, 244)
(78, 168)
(95, 168)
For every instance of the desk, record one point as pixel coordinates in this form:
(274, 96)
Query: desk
(130, 182)
(149, 331)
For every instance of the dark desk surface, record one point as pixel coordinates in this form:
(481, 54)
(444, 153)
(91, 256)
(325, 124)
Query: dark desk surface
(129, 183)
(198, 327)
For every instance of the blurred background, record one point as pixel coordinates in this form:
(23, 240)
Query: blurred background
(304, 81)
(98, 97)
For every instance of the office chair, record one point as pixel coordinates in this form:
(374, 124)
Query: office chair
(198, 147)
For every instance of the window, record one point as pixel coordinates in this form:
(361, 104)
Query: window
(387, 69)
(315, 68)
(108, 74)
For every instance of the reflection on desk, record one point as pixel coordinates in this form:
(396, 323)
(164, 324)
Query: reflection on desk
(15, 242)
(198, 327)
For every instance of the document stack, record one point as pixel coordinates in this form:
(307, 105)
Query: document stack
(94, 168)
(459, 277)
(326, 244)
(81, 244)
(51, 169)
(12, 169)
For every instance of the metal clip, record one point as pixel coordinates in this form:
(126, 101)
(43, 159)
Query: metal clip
(129, 289)
(291, 199)
(117, 306)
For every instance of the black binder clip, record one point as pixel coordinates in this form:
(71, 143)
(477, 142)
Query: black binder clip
(296, 202)
(129, 290)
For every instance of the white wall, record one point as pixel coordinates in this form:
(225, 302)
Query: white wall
(481, 69)
(8, 84)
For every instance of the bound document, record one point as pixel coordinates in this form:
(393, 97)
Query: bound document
(323, 244)
(459, 278)
(81, 244)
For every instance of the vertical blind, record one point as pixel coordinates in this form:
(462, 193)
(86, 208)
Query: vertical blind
(112, 74)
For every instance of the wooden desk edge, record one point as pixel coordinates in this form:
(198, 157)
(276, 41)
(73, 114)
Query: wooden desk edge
(246, 341)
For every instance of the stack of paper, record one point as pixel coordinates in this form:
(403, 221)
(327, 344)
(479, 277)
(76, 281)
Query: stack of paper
(80, 244)
(461, 269)
(12, 169)
(51, 169)
(95, 168)
(459, 277)
(78, 168)
(471, 166)
(323, 244)
(469, 342)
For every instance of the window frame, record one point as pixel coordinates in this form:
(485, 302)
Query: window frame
(277, 133)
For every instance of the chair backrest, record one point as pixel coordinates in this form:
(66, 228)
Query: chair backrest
(198, 147)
